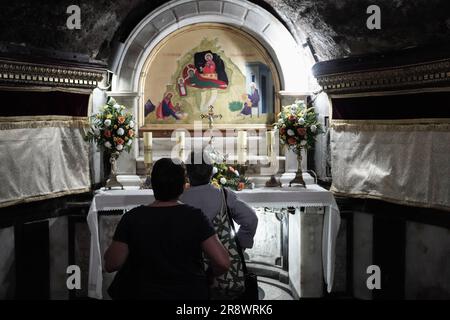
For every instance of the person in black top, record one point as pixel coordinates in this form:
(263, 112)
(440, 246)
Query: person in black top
(160, 245)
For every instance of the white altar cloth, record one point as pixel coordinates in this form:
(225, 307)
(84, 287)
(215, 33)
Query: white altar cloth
(313, 196)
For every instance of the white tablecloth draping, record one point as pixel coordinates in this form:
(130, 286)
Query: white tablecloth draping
(313, 196)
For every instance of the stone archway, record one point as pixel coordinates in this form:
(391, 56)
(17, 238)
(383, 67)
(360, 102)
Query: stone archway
(291, 60)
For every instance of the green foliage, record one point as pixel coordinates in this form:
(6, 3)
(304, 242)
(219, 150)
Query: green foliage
(225, 175)
(230, 177)
(235, 106)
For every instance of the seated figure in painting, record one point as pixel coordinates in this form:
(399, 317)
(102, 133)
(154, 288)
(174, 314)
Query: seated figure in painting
(254, 95)
(195, 79)
(207, 72)
(251, 100)
(166, 109)
(158, 248)
(247, 109)
(209, 69)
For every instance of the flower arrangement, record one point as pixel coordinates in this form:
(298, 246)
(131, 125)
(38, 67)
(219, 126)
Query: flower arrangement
(225, 175)
(298, 126)
(113, 129)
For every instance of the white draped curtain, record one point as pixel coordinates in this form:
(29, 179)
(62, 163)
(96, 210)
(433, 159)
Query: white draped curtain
(42, 160)
(402, 163)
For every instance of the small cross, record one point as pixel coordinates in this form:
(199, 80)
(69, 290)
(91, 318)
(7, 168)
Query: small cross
(211, 116)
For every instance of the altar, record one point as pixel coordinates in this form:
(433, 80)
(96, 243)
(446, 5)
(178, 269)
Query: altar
(295, 198)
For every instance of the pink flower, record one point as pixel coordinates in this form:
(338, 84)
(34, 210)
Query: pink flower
(301, 131)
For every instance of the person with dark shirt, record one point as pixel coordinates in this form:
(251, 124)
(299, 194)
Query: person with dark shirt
(161, 244)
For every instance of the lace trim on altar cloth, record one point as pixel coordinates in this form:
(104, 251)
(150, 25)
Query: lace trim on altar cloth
(13, 123)
(422, 125)
(111, 211)
(114, 212)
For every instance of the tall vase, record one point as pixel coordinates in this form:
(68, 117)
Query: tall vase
(112, 181)
(298, 180)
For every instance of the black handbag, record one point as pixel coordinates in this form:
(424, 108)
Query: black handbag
(251, 280)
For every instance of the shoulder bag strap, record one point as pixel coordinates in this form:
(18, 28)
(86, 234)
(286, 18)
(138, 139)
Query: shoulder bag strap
(239, 248)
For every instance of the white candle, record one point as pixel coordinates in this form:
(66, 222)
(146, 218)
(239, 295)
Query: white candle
(242, 147)
(181, 143)
(148, 145)
(269, 144)
(273, 147)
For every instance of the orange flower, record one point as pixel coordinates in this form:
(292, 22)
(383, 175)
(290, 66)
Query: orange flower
(130, 133)
(107, 134)
(119, 141)
(301, 131)
(292, 141)
(121, 120)
(241, 186)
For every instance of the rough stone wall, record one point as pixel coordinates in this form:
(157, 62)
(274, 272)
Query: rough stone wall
(336, 28)
(42, 24)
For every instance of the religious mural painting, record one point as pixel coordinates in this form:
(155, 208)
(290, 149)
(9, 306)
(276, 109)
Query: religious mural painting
(209, 66)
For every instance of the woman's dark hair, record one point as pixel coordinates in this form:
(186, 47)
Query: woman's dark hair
(199, 169)
(167, 179)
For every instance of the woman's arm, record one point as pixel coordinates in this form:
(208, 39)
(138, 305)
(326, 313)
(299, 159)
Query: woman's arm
(245, 217)
(220, 260)
(115, 256)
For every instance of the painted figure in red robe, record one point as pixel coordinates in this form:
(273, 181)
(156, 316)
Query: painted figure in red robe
(210, 65)
(166, 108)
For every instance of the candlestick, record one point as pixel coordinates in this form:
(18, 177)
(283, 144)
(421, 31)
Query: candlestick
(148, 146)
(242, 147)
(181, 143)
(272, 159)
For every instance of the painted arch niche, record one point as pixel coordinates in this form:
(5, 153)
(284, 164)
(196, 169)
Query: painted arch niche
(207, 65)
